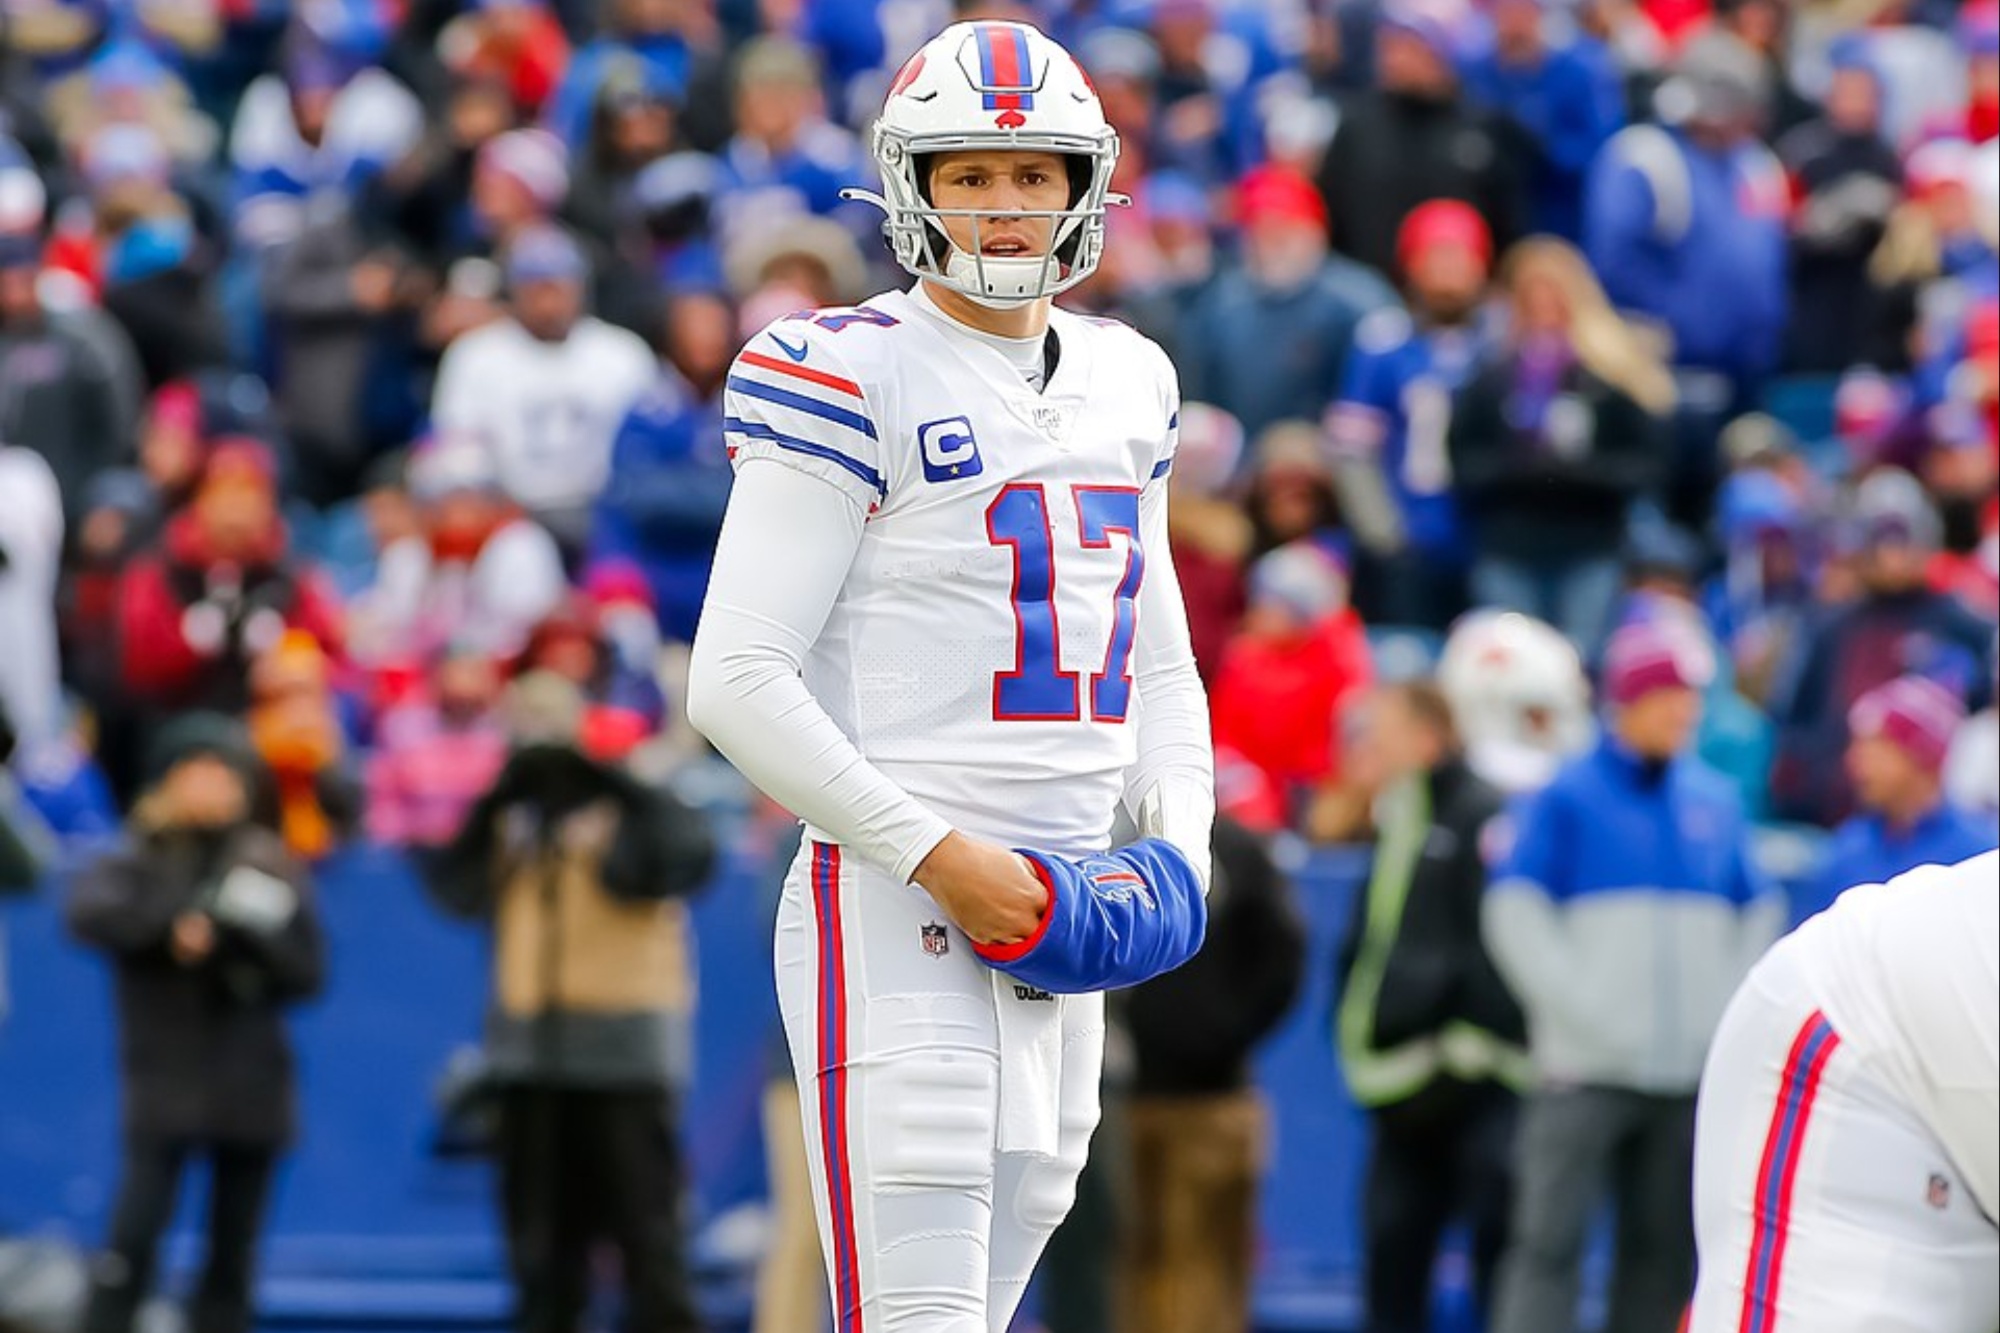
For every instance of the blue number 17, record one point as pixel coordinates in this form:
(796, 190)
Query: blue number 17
(1037, 689)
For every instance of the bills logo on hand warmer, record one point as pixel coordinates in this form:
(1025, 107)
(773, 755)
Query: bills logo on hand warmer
(1113, 920)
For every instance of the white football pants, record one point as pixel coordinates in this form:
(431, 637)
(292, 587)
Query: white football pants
(1822, 1203)
(927, 1224)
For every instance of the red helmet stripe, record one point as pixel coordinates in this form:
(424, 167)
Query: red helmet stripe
(908, 74)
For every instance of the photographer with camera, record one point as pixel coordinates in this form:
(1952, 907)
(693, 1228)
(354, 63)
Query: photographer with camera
(211, 929)
(581, 868)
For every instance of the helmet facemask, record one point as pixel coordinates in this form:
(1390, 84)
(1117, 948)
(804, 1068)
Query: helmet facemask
(918, 236)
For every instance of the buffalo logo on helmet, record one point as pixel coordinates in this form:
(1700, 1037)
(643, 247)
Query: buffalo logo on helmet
(908, 74)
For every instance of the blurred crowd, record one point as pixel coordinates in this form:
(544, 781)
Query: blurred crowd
(360, 356)
(361, 365)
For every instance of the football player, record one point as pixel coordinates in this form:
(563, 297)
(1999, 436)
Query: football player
(944, 630)
(1847, 1142)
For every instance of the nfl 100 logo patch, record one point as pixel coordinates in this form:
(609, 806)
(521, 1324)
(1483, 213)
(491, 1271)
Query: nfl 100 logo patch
(936, 939)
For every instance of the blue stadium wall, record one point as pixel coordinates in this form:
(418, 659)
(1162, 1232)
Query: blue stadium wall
(372, 1227)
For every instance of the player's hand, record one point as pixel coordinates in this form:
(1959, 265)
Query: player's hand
(988, 891)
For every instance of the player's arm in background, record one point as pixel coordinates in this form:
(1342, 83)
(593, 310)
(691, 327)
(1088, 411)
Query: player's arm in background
(808, 469)
(1170, 788)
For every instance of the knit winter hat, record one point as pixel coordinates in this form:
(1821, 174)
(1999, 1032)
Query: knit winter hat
(196, 734)
(1443, 222)
(1718, 77)
(1918, 716)
(1656, 654)
(545, 254)
(535, 158)
(1278, 194)
(1210, 450)
(1303, 578)
(1890, 507)
(1439, 24)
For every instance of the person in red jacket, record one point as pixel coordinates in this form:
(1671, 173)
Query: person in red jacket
(219, 590)
(1292, 667)
(519, 42)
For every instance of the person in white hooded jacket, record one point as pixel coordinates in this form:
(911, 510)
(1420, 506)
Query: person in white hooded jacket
(31, 542)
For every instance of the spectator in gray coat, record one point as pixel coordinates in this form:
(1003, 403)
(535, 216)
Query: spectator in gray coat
(1268, 339)
(332, 300)
(69, 383)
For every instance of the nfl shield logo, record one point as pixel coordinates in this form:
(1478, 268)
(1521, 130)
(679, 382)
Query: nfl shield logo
(1938, 1195)
(937, 940)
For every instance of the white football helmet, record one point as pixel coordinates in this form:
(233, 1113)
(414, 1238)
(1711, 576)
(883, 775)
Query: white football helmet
(993, 85)
(1519, 694)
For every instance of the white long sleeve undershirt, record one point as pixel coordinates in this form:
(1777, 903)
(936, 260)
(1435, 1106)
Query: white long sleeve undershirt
(745, 690)
(747, 695)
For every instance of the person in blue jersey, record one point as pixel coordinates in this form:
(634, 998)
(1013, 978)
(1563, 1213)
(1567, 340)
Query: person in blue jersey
(1623, 916)
(1677, 214)
(1562, 94)
(328, 118)
(669, 481)
(677, 45)
(1388, 427)
(1901, 733)
(788, 158)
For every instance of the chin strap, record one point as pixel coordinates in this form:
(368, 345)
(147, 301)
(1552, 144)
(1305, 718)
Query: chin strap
(961, 271)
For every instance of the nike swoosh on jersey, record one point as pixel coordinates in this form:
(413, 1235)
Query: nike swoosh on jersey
(796, 353)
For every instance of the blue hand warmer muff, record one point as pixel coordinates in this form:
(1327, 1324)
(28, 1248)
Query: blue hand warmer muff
(1113, 920)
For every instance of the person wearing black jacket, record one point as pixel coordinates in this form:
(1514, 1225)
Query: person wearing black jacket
(1198, 1128)
(1850, 180)
(1415, 138)
(1551, 440)
(69, 380)
(211, 930)
(1431, 1042)
(581, 870)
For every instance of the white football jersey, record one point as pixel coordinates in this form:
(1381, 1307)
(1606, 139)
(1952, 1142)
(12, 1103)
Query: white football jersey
(980, 652)
(1908, 973)
(549, 412)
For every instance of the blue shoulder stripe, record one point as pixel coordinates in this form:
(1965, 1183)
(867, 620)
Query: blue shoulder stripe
(839, 416)
(756, 430)
(1162, 468)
